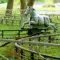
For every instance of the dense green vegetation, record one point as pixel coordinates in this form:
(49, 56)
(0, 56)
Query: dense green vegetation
(3, 1)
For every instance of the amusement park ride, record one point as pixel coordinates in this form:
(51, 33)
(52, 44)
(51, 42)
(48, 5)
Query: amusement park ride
(37, 22)
(38, 26)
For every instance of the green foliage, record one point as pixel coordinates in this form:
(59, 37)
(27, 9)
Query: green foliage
(3, 1)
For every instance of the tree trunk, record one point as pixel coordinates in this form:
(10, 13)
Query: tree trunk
(9, 7)
(30, 3)
(23, 5)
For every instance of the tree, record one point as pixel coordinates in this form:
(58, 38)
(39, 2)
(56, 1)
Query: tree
(24, 4)
(9, 7)
(22, 7)
(30, 3)
(3, 1)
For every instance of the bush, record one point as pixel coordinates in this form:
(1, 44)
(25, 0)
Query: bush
(3, 1)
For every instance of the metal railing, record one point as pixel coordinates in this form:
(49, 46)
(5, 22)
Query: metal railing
(17, 32)
(19, 19)
(31, 42)
(19, 44)
(36, 50)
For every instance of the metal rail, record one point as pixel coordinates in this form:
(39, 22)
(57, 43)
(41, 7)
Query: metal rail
(45, 55)
(38, 43)
(18, 31)
(26, 42)
(21, 41)
(30, 42)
